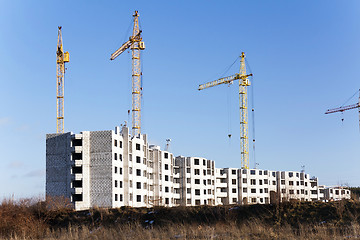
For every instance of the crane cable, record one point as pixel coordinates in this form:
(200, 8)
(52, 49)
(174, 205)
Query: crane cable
(252, 111)
(229, 98)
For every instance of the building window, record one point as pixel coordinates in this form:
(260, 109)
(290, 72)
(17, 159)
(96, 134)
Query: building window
(252, 172)
(204, 162)
(291, 183)
(115, 156)
(166, 189)
(273, 174)
(166, 200)
(115, 169)
(291, 174)
(138, 198)
(138, 159)
(130, 170)
(121, 197)
(234, 190)
(120, 170)
(188, 201)
(245, 190)
(138, 185)
(253, 181)
(233, 172)
(131, 197)
(166, 178)
(120, 184)
(120, 157)
(196, 161)
(209, 182)
(115, 143)
(138, 172)
(116, 197)
(116, 183)
(233, 181)
(282, 182)
(261, 190)
(130, 157)
(274, 182)
(197, 181)
(234, 200)
(253, 200)
(188, 190)
(187, 170)
(166, 166)
(145, 185)
(197, 192)
(265, 181)
(265, 172)
(204, 181)
(244, 171)
(166, 155)
(197, 171)
(188, 180)
(137, 146)
(283, 190)
(253, 190)
(266, 190)
(260, 182)
(260, 172)
(244, 180)
(121, 147)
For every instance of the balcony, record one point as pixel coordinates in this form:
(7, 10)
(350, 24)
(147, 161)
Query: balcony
(76, 149)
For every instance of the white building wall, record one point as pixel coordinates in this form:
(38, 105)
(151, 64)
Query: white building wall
(114, 169)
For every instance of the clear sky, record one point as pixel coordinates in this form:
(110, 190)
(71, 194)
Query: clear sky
(304, 56)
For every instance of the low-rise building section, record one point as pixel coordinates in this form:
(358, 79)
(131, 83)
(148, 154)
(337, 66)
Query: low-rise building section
(113, 169)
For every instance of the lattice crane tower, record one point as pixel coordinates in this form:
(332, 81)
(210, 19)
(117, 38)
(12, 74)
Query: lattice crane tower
(136, 44)
(61, 58)
(243, 105)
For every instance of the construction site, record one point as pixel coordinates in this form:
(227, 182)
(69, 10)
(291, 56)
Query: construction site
(121, 167)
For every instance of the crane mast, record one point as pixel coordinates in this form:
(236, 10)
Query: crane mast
(136, 44)
(61, 58)
(243, 106)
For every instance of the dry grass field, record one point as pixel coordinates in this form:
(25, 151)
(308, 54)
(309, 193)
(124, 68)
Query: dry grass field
(31, 219)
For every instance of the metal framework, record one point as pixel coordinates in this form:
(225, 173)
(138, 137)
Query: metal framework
(136, 44)
(61, 58)
(345, 108)
(243, 106)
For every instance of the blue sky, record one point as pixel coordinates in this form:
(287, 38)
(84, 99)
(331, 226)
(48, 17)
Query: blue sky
(304, 56)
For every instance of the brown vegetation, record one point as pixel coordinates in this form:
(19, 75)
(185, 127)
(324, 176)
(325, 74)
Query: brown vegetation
(29, 219)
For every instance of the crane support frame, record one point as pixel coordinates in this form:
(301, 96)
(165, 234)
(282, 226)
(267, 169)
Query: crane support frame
(61, 58)
(243, 106)
(136, 44)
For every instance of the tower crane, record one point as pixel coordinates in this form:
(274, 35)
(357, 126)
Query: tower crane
(345, 108)
(243, 105)
(61, 58)
(136, 44)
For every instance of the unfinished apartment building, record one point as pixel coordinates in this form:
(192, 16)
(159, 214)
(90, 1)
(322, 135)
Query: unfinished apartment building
(112, 169)
(109, 169)
(197, 181)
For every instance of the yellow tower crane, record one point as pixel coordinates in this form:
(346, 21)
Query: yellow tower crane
(243, 102)
(136, 44)
(345, 108)
(61, 58)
